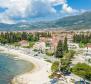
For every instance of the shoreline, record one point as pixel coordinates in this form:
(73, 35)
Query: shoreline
(38, 75)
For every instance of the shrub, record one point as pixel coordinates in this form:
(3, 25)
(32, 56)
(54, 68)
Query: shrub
(55, 66)
(83, 70)
(49, 53)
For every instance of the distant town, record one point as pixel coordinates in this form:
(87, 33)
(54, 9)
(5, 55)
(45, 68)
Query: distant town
(68, 52)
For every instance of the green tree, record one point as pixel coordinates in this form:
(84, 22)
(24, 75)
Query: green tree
(55, 66)
(83, 70)
(30, 37)
(65, 45)
(59, 50)
(24, 36)
(36, 37)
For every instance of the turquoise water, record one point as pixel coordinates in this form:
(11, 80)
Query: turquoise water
(10, 67)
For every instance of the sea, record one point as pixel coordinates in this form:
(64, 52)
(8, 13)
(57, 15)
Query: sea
(10, 67)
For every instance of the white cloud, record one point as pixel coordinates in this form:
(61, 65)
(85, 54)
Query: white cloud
(68, 9)
(58, 1)
(6, 19)
(40, 8)
(65, 7)
(14, 8)
(31, 8)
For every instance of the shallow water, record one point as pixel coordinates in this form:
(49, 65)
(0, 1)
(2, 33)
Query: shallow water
(11, 67)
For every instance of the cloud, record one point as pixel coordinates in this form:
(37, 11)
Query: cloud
(58, 1)
(15, 8)
(6, 19)
(23, 9)
(40, 8)
(68, 9)
(65, 7)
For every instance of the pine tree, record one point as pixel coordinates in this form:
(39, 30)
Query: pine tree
(36, 37)
(65, 45)
(59, 51)
(74, 38)
(24, 36)
(30, 37)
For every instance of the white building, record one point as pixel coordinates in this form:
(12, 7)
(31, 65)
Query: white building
(73, 46)
(40, 46)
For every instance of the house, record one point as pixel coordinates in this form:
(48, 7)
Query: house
(73, 46)
(70, 38)
(42, 39)
(55, 37)
(24, 43)
(40, 46)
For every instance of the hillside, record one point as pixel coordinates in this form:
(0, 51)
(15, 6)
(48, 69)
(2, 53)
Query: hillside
(82, 21)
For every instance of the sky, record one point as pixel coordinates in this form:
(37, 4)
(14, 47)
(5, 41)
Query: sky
(14, 11)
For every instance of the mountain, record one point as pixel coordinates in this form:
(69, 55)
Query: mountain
(82, 21)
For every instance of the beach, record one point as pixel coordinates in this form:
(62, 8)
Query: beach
(38, 75)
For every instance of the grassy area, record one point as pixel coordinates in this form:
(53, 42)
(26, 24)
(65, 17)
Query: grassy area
(69, 55)
(83, 70)
(16, 44)
(30, 45)
(48, 61)
(65, 62)
(35, 50)
(54, 66)
(49, 53)
(54, 74)
(82, 45)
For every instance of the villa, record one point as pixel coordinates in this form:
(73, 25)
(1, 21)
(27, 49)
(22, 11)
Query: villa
(40, 46)
(56, 36)
(24, 43)
(89, 45)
